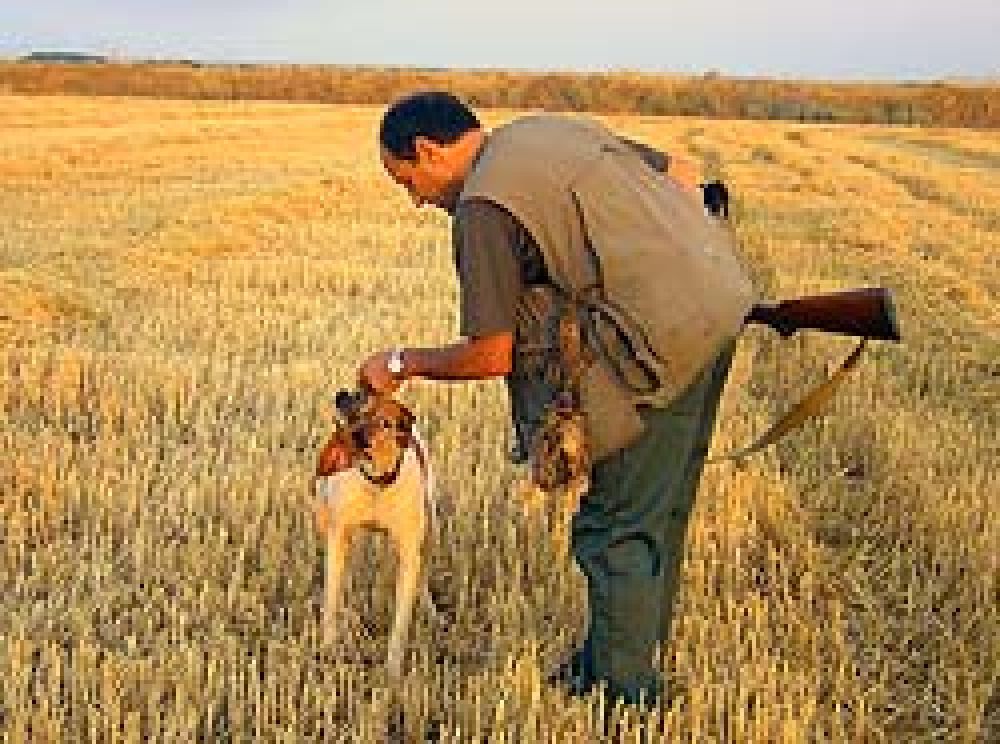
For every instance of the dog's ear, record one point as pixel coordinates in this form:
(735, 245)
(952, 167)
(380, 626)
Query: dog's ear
(349, 404)
(342, 400)
(338, 454)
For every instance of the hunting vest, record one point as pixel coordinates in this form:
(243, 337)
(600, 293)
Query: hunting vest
(626, 243)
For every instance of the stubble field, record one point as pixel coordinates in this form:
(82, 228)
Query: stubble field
(184, 285)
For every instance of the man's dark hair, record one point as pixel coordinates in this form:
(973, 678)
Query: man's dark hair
(436, 115)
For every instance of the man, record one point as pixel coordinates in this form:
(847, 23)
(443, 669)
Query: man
(552, 212)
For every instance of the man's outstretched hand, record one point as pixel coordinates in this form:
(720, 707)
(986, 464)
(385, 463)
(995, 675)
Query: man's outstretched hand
(374, 374)
(685, 172)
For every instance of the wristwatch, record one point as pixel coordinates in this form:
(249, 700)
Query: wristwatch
(395, 364)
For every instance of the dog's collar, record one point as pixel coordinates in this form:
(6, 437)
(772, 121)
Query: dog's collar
(387, 477)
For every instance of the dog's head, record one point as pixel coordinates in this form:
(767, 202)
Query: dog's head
(372, 432)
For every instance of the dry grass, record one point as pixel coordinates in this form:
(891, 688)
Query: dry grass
(185, 284)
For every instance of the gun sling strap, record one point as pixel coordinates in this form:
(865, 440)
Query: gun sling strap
(809, 407)
(580, 331)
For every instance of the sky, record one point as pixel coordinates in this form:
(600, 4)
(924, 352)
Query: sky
(815, 39)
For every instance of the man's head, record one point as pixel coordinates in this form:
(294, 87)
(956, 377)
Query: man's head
(428, 143)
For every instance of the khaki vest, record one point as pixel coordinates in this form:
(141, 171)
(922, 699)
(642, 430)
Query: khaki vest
(601, 216)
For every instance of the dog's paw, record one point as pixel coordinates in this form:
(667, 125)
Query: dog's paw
(328, 638)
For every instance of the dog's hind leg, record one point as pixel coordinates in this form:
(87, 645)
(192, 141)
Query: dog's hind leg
(338, 544)
(426, 598)
(431, 535)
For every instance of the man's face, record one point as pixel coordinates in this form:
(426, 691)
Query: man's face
(428, 178)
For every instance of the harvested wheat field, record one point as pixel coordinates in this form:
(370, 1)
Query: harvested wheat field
(183, 286)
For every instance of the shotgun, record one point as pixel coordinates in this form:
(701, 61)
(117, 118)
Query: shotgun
(866, 313)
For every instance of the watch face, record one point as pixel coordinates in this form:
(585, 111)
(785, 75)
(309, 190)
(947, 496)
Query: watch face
(396, 363)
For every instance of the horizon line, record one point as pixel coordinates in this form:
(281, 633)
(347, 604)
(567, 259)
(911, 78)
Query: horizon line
(118, 58)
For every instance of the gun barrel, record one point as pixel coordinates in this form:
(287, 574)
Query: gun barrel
(866, 313)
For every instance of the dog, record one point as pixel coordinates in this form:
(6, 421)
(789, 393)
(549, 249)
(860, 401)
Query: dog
(374, 473)
(716, 198)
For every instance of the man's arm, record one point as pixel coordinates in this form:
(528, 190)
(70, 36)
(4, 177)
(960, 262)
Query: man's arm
(486, 238)
(479, 358)
(685, 172)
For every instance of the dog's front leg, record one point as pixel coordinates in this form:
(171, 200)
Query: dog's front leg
(408, 577)
(338, 542)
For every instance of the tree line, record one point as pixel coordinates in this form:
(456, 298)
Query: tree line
(918, 104)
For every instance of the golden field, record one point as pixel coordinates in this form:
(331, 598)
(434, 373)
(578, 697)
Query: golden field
(183, 286)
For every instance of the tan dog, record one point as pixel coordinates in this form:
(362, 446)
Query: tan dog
(374, 473)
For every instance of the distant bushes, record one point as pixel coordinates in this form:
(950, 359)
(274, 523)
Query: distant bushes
(711, 95)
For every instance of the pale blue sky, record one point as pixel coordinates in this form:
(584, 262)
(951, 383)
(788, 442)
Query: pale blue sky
(830, 39)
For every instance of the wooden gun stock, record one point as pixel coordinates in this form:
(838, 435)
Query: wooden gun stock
(866, 313)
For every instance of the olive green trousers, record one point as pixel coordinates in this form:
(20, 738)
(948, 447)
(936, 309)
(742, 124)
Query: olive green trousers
(628, 536)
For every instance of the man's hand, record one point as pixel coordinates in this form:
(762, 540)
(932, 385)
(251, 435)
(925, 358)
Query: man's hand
(685, 172)
(375, 375)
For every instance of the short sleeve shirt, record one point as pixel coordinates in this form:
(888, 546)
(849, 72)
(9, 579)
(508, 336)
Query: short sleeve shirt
(496, 258)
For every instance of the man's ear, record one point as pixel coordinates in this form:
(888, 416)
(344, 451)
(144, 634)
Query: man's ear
(427, 150)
